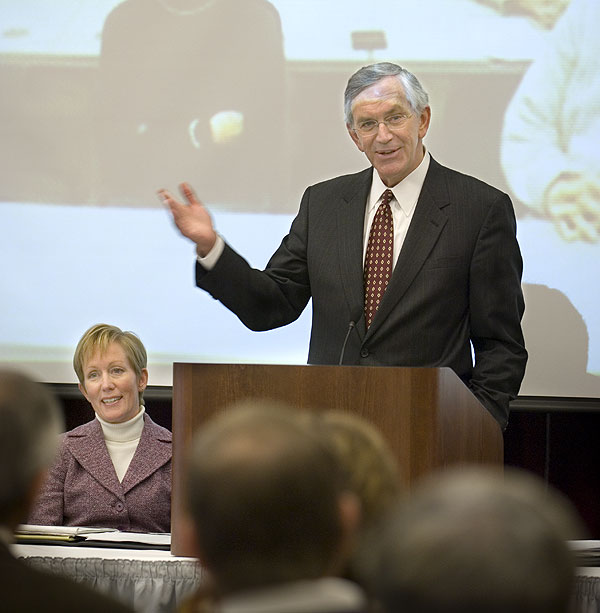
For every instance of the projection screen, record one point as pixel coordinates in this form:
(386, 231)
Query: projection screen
(104, 102)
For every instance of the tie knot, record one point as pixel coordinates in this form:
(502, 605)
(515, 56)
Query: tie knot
(387, 196)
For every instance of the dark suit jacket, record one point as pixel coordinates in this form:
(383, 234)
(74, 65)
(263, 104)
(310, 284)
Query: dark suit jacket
(25, 590)
(457, 280)
(82, 488)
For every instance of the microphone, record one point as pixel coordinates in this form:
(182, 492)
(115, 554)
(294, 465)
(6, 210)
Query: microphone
(351, 327)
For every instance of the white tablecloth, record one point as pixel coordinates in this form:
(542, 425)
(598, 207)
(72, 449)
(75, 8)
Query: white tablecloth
(150, 581)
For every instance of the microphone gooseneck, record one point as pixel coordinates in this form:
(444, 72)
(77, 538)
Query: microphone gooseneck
(351, 327)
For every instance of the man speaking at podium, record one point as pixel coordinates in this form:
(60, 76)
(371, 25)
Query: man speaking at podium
(407, 263)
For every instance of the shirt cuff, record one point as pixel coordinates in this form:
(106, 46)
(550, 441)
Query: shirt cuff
(209, 261)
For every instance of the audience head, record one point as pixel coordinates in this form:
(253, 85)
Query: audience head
(471, 540)
(30, 422)
(267, 499)
(416, 96)
(101, 348)
(366, 459)
(371, 473)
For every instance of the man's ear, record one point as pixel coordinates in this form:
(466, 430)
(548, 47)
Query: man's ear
(355, 138)
(424, 121)
(350, 515)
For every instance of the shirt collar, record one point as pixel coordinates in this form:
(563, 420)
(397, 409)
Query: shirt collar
(406, 193)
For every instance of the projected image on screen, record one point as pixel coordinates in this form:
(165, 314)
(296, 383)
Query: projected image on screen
(192, 89)
(105, 102)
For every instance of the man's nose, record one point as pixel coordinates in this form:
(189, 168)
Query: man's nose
(383, 132)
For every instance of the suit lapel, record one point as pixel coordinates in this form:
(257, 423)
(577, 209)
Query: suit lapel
(351, 220)
(153, 451)
(89, 449)
(426, 226)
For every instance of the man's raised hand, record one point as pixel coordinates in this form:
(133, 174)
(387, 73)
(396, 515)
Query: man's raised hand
(192, 219)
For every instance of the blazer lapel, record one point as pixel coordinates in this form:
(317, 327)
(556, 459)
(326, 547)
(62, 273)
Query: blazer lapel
(426, 226)
(153, 451)
(89, 449)
(351, 220)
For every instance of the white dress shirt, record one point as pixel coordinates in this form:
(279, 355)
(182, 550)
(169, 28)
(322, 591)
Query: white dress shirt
(406, 193)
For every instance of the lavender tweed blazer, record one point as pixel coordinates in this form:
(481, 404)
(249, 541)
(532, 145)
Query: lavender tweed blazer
(82, 488)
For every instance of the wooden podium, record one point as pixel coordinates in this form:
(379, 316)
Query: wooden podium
(428, 415)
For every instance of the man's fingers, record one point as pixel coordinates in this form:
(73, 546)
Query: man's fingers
(188, 192)
(176, 208)
(190, 217)
(166, 197)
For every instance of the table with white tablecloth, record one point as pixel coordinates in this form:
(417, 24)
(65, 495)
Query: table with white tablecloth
(150, 581)
(154, 581)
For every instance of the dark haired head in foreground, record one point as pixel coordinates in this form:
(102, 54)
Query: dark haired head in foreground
(272, 518)
(30, 422)
(473, 540)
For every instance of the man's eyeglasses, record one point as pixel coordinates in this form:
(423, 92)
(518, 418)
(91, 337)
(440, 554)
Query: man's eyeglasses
(368, 127)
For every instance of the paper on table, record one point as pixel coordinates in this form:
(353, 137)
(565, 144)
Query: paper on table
(584, 545)
(162, 539)
(60, 530)
(94, 537)
(586, 553)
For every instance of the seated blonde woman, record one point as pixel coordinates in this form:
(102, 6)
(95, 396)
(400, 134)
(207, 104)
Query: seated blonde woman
(114, 471)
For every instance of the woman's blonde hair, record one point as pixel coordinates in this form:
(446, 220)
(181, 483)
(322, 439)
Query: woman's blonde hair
(99, 337)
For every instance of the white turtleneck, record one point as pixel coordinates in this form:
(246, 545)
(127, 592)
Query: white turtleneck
(122, 440)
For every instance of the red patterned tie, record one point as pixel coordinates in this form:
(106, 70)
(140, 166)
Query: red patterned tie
(379, 257)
